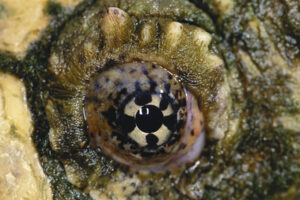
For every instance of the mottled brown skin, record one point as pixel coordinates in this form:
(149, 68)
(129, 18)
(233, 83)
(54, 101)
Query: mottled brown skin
(242, 62)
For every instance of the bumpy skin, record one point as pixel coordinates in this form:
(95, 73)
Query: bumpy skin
(240, 58)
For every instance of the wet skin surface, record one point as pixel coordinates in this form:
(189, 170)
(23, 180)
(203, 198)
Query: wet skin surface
(247, 91)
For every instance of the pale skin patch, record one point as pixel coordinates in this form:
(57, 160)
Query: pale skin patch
(173, 32)
(116, 26)
(289, 121)
(69, 3)
(246, 60)
(122, 187)
(146, 34)
(202, 37)
(224, 6)
(23, 23)
(21, 176)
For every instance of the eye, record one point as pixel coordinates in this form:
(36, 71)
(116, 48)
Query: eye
(132, 93)
(141, 116)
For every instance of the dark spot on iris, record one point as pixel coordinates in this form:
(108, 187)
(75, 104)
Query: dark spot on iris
(174, 139)
(176, 94)
(167, 87)
(132, 71)
(145, 72)
(110, 114)
(121, 146)
(116, 11)
(153, 66)
(182, 102)
(137, 85)
(152, 85)
(134, 145)
(161, 151)
(123, 91)
(170, 76)
(152, 140)
(182, 146)
(147, 154)
(201, 123)
(170, 122)
(142, 98)
(192, 132)
(127, 123)
(119, 136)
(149, 118)
(176, 107)
(180, 124)
(164, 102)
(133, 184)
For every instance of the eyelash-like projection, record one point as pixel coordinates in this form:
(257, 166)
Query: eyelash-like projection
(139, 90)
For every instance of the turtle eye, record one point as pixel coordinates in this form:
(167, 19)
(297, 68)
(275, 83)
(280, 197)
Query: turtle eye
(141, 115)
(130, 87)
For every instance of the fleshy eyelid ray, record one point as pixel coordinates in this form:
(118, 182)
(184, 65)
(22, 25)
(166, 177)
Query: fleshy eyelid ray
(173, 33)
(117, 30)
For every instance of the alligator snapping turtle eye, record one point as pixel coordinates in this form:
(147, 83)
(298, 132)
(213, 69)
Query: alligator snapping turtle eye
(141, 116)
(113, 72)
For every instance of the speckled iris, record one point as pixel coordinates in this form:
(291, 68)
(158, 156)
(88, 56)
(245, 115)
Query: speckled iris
(136, 109)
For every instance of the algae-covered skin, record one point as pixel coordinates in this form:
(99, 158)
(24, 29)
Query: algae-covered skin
(239, 58)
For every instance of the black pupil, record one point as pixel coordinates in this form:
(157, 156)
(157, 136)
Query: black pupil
(149, 118)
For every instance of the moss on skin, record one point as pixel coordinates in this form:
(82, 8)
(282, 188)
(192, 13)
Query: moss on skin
(53, 8)
(261, 157)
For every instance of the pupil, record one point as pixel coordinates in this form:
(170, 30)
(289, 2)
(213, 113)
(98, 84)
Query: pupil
(149, 118)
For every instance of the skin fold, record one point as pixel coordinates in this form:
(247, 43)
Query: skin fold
(240, 59)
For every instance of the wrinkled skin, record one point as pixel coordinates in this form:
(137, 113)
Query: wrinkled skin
(257, 154)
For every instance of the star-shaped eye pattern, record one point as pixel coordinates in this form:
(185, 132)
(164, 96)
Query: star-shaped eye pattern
(137, 110)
